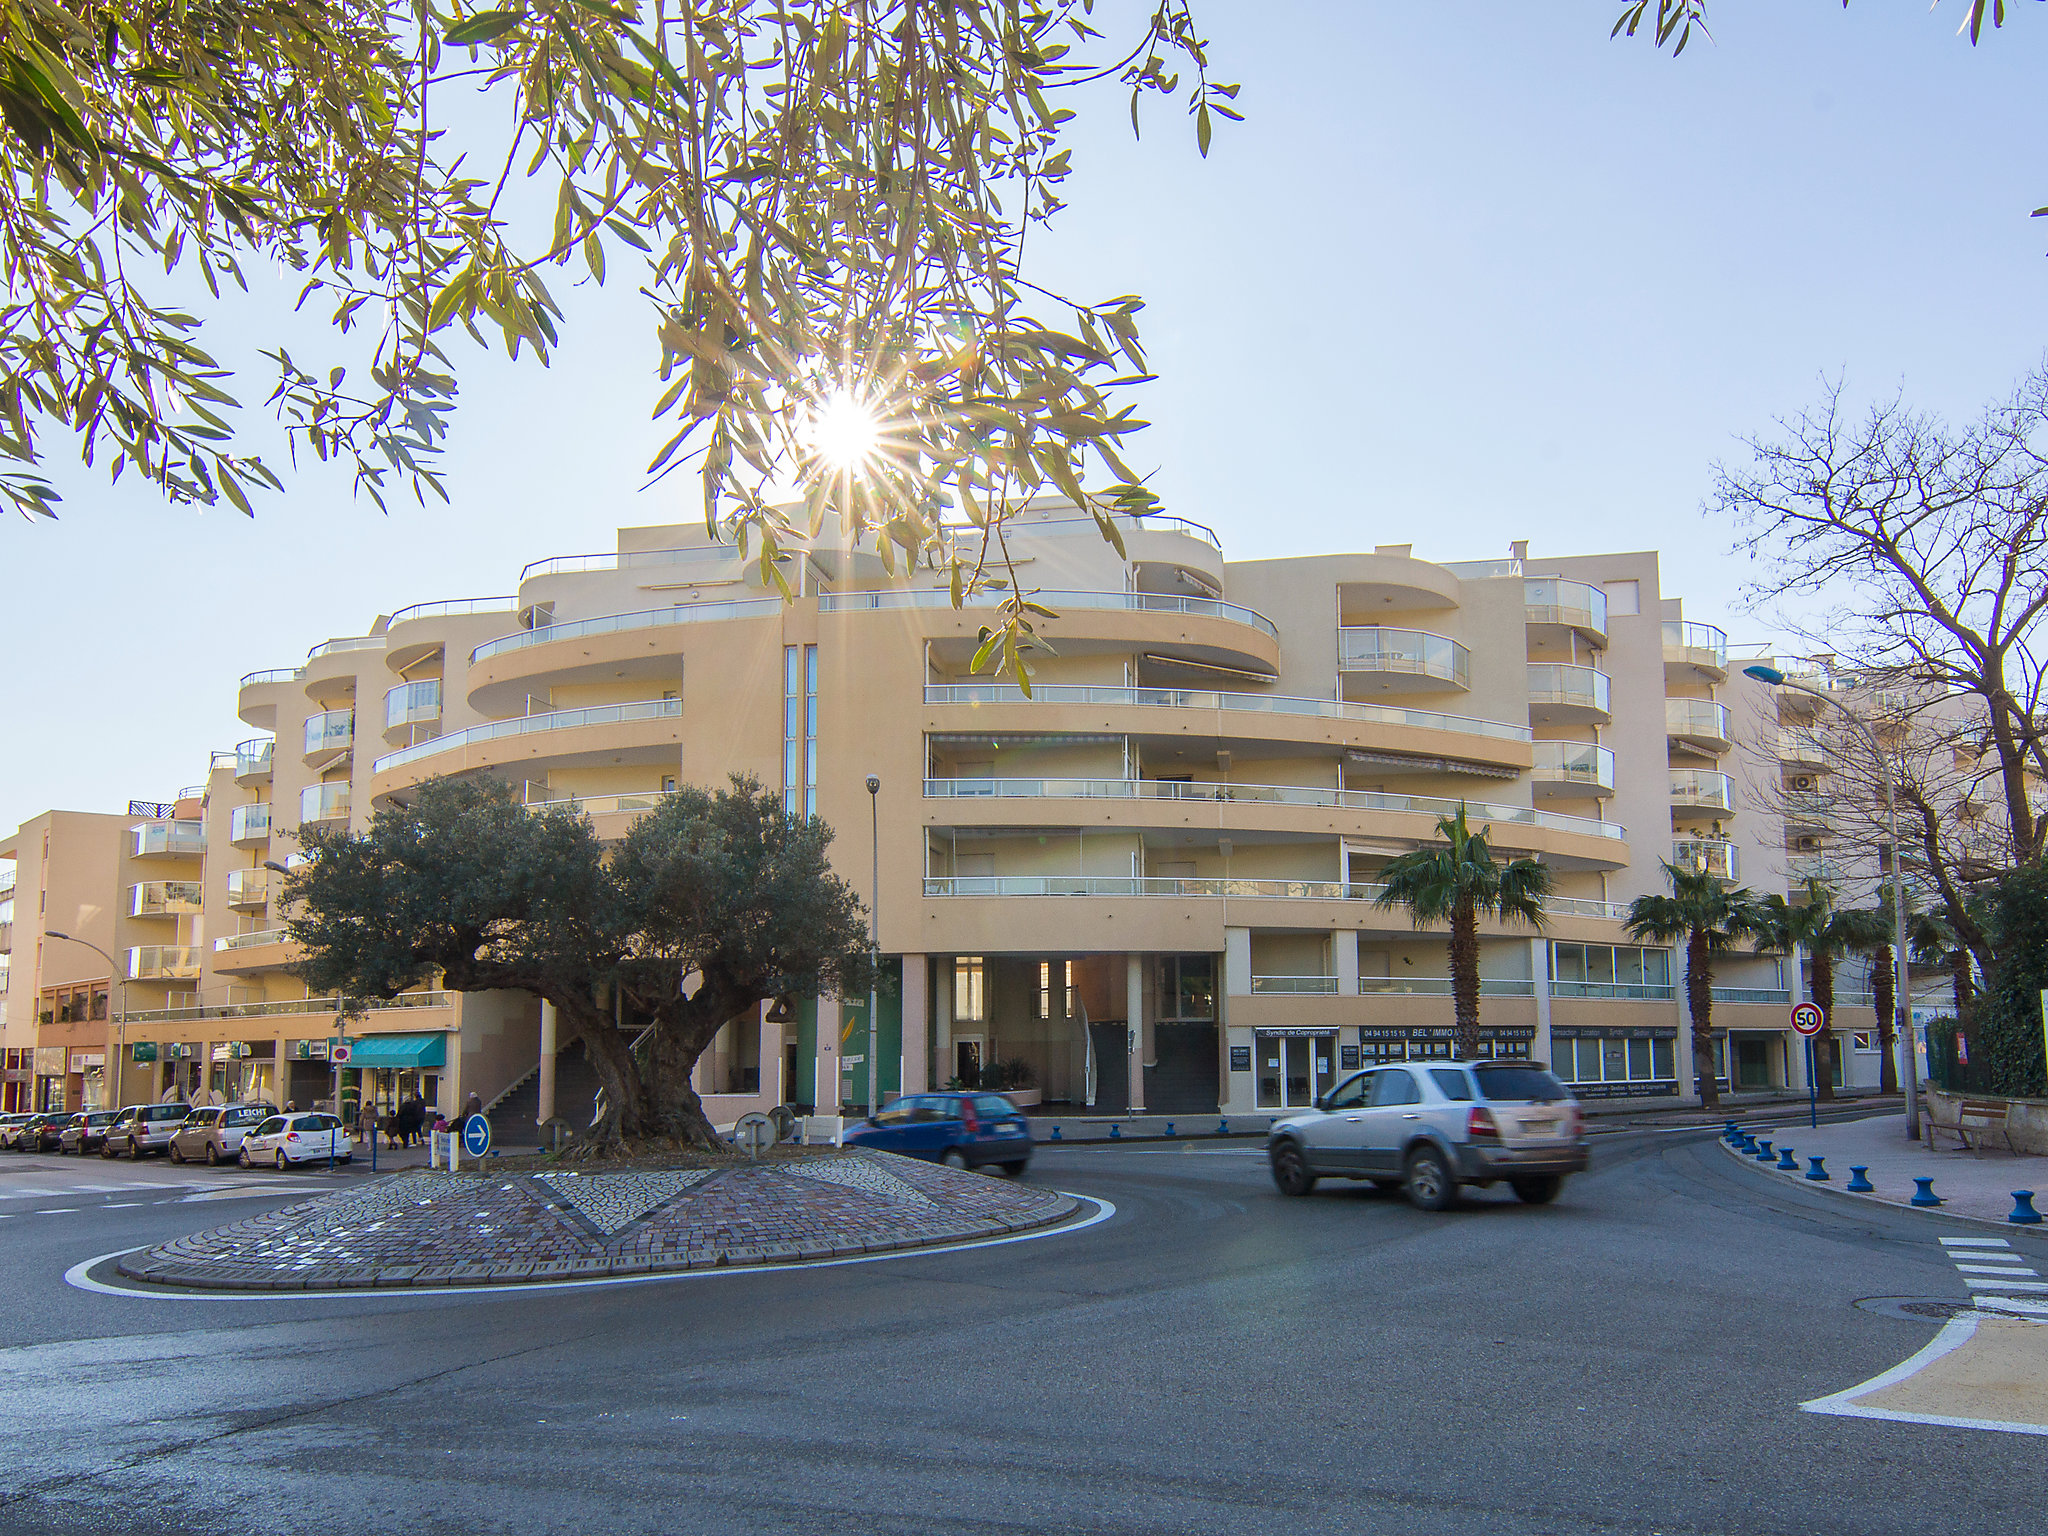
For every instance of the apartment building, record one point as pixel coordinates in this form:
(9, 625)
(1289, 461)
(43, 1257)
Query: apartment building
(1152, 883)
(57, 1002)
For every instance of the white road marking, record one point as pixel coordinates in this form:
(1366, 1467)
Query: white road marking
(2017, 1305)
(79, 1277)
(2007, 1285)
(57, 1210)
(1975, 1242)
(1995, 1269)
(1954, 1333)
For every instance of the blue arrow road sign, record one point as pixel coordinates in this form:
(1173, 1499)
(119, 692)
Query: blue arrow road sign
(476, 1136)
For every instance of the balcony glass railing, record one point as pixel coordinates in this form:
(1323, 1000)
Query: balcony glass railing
(1804, 749)
(248, 887)
(1702, 787)
(355, 643)
(163, 962)
(1204, 699)
(1696, 719)
(261, 938)
(1686, 641)
(521, 725)
(1295, 986)
(1614, 991)
(1552, 682)
(1262, 794)
(1059, 602)
(612, 623)
(1802, 867)
(159, 839)
(249, 823)
(1752, 994)
(1708, 857)
(273, 675)
(1554, 600)
(1440, 986)
(290, 1006)
(333, 730)
(456, 608)
(1189, 887)
(605, 805)
(1411, 652)
(1573, 762)
(324, 802)
(163, 898)
(412, 703)
(252, 758)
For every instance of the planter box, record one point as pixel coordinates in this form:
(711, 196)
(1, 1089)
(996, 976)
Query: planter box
(1023, 1098)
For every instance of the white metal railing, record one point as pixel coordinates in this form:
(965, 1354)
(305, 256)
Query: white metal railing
(1200, 887)
(252, 758)
(330, 731)
(1681, 635)
(1557, 600)
(169, 837)
(1635, 991)
(1573, 762)
(1702, 787)
(1752, 994)
(1131, 602)
(1701, 719)
(261, 938)
(1555, 682)
(454, 608)
(163, 898)
(163, 962)
(410, 703)
(576, 565)
(612, 623)
(248, 823)
(273, 675)
(1413, 652)
(605, 805)
(521, 725)
(353, 643)
(1265, 794)
(1144, 522)
(1296, 986)
(1207, 699)
(1441, 986)
(324, 802)
(297, 1005)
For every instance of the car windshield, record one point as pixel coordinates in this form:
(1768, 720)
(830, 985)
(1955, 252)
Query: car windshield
(1518, 1084)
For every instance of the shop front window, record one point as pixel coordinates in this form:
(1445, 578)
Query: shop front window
(1187, 988)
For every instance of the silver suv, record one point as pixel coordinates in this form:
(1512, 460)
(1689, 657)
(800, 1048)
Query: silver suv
(144, 1128)
(1428, 1127)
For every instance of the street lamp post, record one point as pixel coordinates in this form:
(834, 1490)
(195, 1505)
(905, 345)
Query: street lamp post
(1903, 1003)
(874, 929)
(120, 979)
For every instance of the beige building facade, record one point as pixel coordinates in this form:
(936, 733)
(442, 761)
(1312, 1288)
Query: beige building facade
(1150, 885)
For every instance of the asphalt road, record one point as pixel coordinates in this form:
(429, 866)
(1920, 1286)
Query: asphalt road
(1214, 1358)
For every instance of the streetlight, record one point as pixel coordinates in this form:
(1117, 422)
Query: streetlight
(120, 979)
(1903, 1003)
(341, 1033)
(874, 927)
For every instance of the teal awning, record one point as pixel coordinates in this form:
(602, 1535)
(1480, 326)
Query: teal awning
(398, 1051)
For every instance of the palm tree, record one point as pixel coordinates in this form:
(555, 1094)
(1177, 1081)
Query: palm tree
(1826, 932)
(1875, 926)
(1934, 946)
(1709, 919)
(1456, 882)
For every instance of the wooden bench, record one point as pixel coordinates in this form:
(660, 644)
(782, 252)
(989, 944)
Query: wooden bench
(1973, 1117)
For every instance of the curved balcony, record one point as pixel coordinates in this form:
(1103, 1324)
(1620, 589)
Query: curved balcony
(168, 840)
(1560, 693)
(1572, 770)
(252, 760)
(412, 704)
(249, 823)
(1403, 660)
(1702, 790)
(163, 898)
(256, 702)
(248, 887)
(1697, 725)
(1694, 652)
(163, 962)
(242, 954)
(428, 629)
(1554, 603)
(1109, 602)
(1707, 856)
(611, 646)
(324, 802)
(330, 735)
(649, 734)
(331, 669)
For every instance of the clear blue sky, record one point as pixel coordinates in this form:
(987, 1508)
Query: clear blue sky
(1470, 273)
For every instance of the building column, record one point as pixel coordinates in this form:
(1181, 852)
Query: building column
(1539, 968)
(827, 1088)
(549, 1045)
(916, 1074)
(1237, 961)
(1344, 947)
(942, 1029)
(1134, 1027)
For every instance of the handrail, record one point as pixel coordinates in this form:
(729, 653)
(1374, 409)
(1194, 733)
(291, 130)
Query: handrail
(1131, 602)
(1138, 522)
(520, 725)
(259, 939)
(604, 805)
(453, 608)
(1202, 698)
(296, 1005)
(352, 643)
(626, 560)
(1281, 794)
(1441, 986)
(1295, 986)
(611, 623)
(274, 675)
(1752, 994)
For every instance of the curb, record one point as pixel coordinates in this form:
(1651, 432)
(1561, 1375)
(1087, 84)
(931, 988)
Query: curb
(163, 1270)
(1832, 1188)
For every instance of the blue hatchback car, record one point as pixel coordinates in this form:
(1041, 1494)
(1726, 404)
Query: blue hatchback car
(961, 1130)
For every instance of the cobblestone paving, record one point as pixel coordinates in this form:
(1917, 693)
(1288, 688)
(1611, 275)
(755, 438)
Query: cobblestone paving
(431, 1229)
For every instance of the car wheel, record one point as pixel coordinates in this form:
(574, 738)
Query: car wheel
(107, 1148)
(134, 1150)
(176, 1155)
(243, 1158)
(212, 1155)
(1015, 1170)
(953, 1157)
(1538, 1190)
(280, 1160)
(1430, 1185)
(1291, 1171)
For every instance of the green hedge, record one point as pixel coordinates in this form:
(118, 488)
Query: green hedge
(2007, 1037)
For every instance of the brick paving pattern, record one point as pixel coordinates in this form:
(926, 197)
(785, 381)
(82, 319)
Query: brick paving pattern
(431, 1229)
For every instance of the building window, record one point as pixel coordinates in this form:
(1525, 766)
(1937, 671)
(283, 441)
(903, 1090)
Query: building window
(800, 730)
(1609, 970)
(1614, 1056)
(1187, 988)
(970, 1002)
(1624, 597)
(1054, 986)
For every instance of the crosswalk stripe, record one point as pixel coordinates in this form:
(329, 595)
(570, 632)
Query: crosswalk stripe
(2007, 1285)
(1975, 1242)
(2015, 1304)
(1996, 1269)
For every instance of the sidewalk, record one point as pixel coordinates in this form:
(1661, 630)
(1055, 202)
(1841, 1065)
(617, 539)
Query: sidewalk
(1972, 1184)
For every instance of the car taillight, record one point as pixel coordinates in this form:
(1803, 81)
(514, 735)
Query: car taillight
(1576, 1120)
(968, 1118)
(291, 1135)
(1480, 1125)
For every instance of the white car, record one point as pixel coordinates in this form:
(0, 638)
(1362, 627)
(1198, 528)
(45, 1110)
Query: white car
(302, 1138)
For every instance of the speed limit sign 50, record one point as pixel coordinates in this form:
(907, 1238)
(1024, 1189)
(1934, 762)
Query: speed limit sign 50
(1808, 1019)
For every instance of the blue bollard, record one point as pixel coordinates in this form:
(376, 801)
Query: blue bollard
(1731, 1133)
(1816, 1172)
(1748, 1142)
(1924, 1194)
(2023, 1212)
(1169, 1127)
(1116, 1133)
(1786, 1160)
(1858, 1183)
(1763, 1150)
(1055, 1133)
(1223, 1127)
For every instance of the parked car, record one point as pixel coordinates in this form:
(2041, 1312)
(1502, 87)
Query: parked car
(961, 1130)
(39, 1133)
(143, 1128)
(10, 1127)
(285, 1139)
(1429, 1127)
(86, 1130)
(215, 1134)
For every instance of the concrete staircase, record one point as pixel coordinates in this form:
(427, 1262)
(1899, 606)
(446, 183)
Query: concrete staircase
(515, 1119)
